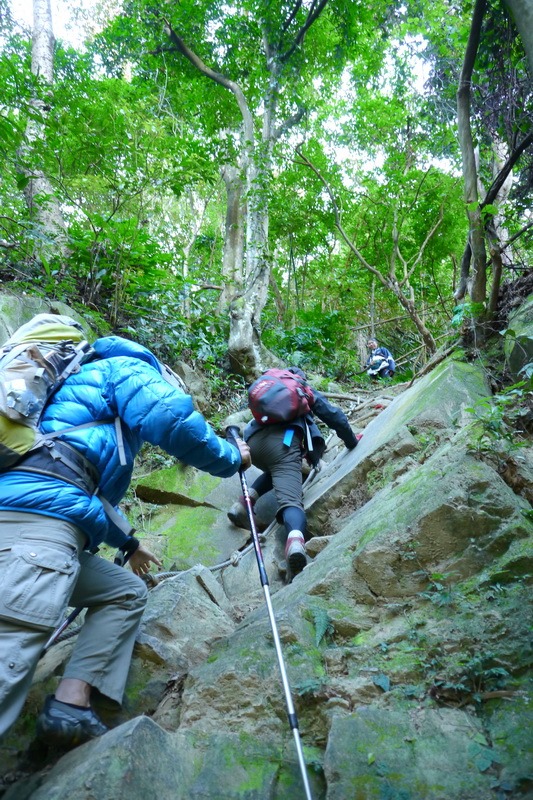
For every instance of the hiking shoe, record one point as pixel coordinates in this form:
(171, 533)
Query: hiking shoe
(66, 725)
(295, 554)
(239, 516)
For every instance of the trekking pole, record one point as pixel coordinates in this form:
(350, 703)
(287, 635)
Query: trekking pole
(59, 630)
(231, 433)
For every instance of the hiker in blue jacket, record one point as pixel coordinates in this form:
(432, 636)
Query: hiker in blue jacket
(380, 363)
(53, 513)
(278, 450)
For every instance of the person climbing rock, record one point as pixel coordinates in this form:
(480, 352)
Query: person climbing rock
(278, 449)
(53, 518)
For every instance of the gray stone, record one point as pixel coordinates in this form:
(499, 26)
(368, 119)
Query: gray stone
(428, 755)
(197, 387)
(180, 623)
(16, 311)
(419, 601)
(519, 339)
(136, 760)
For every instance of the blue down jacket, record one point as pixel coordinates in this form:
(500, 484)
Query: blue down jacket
(125, 381)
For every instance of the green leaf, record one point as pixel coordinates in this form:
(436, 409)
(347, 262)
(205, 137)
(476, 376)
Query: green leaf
(483, 761)
(22, 181)
(323, 625)
(382, 681)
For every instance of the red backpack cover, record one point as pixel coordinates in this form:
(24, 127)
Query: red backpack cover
(279, 396)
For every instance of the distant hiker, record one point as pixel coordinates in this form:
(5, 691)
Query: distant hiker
(278, 448)
(52, 517)
(380, 363)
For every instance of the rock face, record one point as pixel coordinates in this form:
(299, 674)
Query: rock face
(16, 311)
(405, 639)
(519, 339)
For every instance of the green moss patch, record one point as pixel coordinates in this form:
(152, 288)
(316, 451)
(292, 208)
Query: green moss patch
(178, 484)
(187, 532)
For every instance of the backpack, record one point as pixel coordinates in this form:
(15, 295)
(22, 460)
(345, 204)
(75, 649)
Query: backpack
(34, 362)
(279, 396)
(377, 364)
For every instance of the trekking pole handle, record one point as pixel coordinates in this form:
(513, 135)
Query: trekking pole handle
(232, 434)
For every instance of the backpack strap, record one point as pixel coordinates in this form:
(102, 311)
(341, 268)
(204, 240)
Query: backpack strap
(116, 518)
(83, 352)
(173, 379)
(120, 442)
(308, 437)
(59, 460)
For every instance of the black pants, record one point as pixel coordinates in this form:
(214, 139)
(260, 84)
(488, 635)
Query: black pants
(283, 463)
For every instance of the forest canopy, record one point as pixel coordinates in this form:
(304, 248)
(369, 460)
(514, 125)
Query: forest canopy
(243, 182)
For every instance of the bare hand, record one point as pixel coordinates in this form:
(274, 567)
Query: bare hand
(140, 560)
(244, 450)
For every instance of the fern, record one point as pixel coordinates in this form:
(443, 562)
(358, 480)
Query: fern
(323, 624)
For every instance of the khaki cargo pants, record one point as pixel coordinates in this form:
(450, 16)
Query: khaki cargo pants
(43, 570)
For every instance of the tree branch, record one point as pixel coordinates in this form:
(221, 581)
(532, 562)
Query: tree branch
(381, 322)
(317, 7)
(292, 16)
(205, 287)
(288, 124)
(217, 77)
(517, 235)
(500, 179)
(426, 241)
(338, 222)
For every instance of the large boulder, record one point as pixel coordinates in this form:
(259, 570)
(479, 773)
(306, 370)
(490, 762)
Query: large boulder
(405, 640)
(16, 311)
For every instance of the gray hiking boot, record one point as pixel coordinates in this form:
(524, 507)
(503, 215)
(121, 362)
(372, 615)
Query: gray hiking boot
(66, 725)
(239, 517)
(295, 552)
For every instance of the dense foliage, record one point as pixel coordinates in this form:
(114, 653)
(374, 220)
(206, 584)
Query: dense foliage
(366, 217)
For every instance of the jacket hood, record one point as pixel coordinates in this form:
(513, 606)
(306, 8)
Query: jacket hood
(111, 346)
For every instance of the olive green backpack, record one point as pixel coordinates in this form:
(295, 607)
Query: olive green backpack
(34, 362)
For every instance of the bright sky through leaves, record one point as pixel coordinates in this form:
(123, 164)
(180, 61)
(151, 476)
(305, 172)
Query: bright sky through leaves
(72, 21)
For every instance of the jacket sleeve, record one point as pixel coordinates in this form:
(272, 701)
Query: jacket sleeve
(165, 417)
(388, 355)
(335, 419)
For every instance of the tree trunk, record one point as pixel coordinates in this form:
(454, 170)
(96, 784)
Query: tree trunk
(244, 345)
(522, 13)
(232, 260)
(246, 354)
(496, 233)
(42, 203)
(478, 289)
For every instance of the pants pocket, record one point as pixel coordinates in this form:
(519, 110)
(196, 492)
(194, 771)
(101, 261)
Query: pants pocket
(37, 582)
